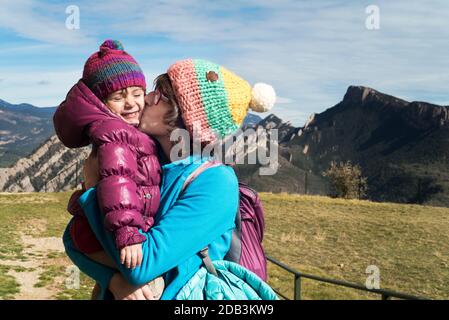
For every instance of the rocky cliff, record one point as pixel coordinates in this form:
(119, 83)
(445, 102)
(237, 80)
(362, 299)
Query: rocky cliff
(51, 167)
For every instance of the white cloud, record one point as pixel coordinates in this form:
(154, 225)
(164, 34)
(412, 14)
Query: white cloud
(312, 51)
(283, 100)
(309, 51)
(39, 21)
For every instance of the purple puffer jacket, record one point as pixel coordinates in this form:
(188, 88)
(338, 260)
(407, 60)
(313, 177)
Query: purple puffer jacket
(130, 174)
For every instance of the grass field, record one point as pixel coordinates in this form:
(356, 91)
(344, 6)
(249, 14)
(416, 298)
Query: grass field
(318, 235)
(340, 238)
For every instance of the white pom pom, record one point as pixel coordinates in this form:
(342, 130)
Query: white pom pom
(263, 97)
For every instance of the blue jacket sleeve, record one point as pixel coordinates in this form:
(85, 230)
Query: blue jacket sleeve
(204, 212)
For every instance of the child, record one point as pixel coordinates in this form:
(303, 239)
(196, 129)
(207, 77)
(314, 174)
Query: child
(103, 109)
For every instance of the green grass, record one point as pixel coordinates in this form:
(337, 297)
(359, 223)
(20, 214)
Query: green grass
(318, 235)
(82, 293)
(38, 215)
(47, 277)
(8, 284)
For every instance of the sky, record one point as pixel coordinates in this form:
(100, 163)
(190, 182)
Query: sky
(309, 51)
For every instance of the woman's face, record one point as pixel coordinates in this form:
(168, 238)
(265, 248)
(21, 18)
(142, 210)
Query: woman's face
(152, 120)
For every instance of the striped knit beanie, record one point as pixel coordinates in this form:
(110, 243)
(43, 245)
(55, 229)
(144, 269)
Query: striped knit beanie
(214, 99)
(112, 69)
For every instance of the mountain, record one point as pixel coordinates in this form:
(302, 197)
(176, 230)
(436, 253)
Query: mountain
(402, 147)
(52, 167)
(289, 177)
(285, 129)
(23, 128)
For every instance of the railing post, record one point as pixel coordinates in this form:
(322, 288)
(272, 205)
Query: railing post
(297, 295)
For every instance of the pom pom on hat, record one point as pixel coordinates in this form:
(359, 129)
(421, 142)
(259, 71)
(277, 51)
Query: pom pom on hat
(112, 44)
(263, 97)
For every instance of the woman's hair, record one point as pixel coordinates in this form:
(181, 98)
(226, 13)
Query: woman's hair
(173, 118)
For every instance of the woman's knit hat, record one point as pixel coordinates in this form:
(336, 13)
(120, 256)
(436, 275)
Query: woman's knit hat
(112, 69)
(215, 99)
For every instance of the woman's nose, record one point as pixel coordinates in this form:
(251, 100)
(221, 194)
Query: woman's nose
(149, 99)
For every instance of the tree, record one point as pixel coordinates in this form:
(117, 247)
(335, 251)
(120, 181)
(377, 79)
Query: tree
(346, 180)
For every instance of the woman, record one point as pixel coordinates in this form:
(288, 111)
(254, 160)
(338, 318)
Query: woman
(192, 93)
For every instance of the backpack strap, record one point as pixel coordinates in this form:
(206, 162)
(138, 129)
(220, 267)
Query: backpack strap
(235, 250)
(195, 173)
(204, 253)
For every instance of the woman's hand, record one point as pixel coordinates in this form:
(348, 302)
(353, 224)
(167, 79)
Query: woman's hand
(90, 171)
(122, 290)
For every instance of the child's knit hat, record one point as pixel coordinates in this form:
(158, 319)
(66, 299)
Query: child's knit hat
(214, 98)
(112, 69)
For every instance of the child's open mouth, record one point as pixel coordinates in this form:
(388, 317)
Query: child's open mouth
(130, 115)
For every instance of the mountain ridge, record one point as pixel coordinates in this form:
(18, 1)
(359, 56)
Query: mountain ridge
(402, 148)
(23, 128)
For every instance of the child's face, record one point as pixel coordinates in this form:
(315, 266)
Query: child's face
(127, 104)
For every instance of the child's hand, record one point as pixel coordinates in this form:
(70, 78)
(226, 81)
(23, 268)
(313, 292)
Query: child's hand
(131, 256)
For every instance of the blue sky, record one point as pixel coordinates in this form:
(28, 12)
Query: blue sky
(310, 51)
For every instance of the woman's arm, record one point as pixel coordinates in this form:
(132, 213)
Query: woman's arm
(204, 212)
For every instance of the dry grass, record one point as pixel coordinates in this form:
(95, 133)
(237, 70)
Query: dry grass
(41, 217)
(340, 238)
(318, 235)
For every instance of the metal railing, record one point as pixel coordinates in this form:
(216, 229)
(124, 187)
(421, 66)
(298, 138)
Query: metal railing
(385, 294)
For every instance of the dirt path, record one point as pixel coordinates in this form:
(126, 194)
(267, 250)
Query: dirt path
(36, 251)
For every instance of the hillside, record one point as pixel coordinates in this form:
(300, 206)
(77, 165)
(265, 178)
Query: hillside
(318, 235)
(23, 128)
(51, 167)
(402, 147)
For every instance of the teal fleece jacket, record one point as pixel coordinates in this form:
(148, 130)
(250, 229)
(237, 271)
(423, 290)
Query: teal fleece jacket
(204, 214)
